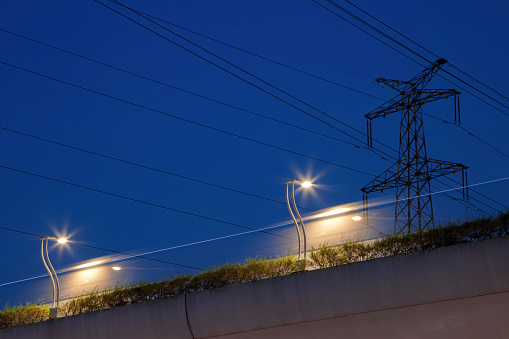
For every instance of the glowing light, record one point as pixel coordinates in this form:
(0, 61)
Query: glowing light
(306, 184)
(88, 264)
(116, 268)
(332, 212)
(62, 240)
(356, 218)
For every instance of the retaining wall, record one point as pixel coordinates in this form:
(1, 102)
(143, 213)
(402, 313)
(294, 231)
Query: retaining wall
(454, 292)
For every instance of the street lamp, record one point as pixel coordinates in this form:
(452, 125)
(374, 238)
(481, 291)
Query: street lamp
(53, 311)
(304, 184)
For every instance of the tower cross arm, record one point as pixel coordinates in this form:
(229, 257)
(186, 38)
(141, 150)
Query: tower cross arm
(387, 180)
(416, 83)
(394, 105)
(397, 85)
(422, 79)
(427, 170)
(439, 168)
(430, 95)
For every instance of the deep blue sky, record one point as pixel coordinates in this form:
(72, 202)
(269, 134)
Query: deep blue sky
(471, 35)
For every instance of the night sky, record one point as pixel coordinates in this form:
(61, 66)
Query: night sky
(160, 129)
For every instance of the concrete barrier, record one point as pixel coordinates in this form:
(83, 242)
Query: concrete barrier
(453, 292)
(158, 319)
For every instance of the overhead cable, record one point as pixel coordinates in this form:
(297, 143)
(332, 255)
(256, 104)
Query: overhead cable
(140, 201)
(412, 51)
(185, 120)
(254, 54)
(424, 48)
(237, 67)
(144, 166)
(469, 133)
(189, 92)
(271, 40)
(98, 248)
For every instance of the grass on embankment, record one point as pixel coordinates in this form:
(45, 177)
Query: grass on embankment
(253, 269)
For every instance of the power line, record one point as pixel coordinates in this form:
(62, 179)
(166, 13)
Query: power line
(271, 40)
(371, 35)
(187, 92)
(467, 204)
(98, 248)
(424, 48)
(254, 54)
(440, 192)
(144, 166)
(237, 67)
(479, 81)
(141, 201)
(410, 50)
(482, 195)
(134, 255)
(21, 232)
(470, 197)
(469, 133)
(185, 120)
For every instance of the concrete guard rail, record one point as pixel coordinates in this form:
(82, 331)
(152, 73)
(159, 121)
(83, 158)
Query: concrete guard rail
(453, 292)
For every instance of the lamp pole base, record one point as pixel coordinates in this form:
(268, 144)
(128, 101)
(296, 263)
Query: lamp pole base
(53, 313)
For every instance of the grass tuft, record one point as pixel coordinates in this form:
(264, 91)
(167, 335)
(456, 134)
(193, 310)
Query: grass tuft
(21, 315)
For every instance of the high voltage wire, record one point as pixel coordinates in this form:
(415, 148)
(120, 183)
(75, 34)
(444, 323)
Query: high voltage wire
(371, 35)
(447, 185)
(187, 92)
(97, 248)
(140, 201)
(255, 55)
(235, 107)
(482, 195)
(469, 133)
(410, 50)
(166, 114)
(271, 40)
(144, 166)
(424, 48)
(186, 120)
(237, 67)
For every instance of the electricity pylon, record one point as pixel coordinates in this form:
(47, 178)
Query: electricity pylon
(413, 170)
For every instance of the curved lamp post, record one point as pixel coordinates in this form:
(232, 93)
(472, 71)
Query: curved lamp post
(52, 273)
(305, 184)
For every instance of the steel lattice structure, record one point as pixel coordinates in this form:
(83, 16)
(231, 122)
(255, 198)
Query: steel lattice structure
(413, 170)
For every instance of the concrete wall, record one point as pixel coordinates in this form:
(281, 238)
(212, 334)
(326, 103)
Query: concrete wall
(455, 292)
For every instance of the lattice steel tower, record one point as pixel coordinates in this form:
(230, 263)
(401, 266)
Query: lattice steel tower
(413, 170)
